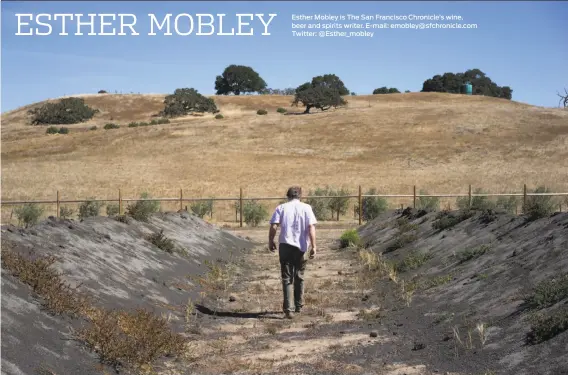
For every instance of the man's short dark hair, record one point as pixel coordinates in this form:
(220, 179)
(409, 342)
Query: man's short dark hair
(295, 192)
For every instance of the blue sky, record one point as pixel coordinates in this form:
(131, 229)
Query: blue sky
(517, 44)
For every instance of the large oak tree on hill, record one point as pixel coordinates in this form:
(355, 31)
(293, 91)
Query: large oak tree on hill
(186, 100)
(323, 92)
(481, 84)
(239, 79)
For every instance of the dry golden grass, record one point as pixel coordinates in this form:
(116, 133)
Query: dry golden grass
(440, 142)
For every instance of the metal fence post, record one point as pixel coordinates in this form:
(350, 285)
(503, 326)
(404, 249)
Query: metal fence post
(119, 202)
(241, 207)
(360, 205)
(58, 204)
(414, 202)
(524, 198)
(469, 198)
(181, 199)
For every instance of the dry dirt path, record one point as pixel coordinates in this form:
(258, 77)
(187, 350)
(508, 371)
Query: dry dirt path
(250, 336)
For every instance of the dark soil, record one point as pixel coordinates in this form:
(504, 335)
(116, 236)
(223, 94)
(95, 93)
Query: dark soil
(116, 265)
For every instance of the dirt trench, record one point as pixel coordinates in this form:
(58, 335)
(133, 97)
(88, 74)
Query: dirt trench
(242, 329)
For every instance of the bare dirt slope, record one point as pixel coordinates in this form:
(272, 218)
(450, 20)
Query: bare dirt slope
(439, 142)
(117, 267)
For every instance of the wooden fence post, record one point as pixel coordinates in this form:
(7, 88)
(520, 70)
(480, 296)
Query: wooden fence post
(58, 204)
(414, 202)
(360, 205)
(469, 198)
(241, 207)
(524, 198)
(181, 199)
(119, 202)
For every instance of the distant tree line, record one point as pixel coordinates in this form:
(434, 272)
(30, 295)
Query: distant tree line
(321, 92)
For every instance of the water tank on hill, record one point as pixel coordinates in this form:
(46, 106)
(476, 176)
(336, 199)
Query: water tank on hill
(467, 88)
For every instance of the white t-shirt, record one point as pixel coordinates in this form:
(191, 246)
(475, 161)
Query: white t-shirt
(294, 218)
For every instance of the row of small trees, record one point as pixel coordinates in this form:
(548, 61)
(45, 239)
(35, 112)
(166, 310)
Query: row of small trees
(332, 204)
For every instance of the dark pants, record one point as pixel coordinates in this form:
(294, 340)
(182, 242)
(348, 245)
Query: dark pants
(292, 266)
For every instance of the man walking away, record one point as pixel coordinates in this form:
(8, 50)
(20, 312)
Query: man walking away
(297, 231)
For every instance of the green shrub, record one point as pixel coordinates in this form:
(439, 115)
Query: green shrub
(219, 116)
(372, 206)
(262, 112)
(427, 203)
(254, 213)
(143, 123)
(541, 206)
(66, 212)
(94, 127)
(349, 238)
(52, 130)
(133, 125)
(63, 130)
(28, 214)
(477, 203)
(111, 126)
(202, 208)
(546, 327)
(162, 121)
(154, 122)
(320, 206)
(112, 209)
(66, 111)
(143, 209)
(548, 292)
(281, 110)
(89, 208)
(162, 242)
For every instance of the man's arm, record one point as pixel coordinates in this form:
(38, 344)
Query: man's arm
(312, 234)
(274, 222)
(312, 231)
(271, 235)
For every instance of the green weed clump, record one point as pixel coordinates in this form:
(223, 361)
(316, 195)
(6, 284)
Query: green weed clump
(413, 261)
(548, 292)
(281, 110)
(262, 112)
(350, 238)
(546, 327)
(473, 253)
(162, 242)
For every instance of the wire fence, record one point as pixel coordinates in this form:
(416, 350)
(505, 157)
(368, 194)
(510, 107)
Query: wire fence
(227, 210)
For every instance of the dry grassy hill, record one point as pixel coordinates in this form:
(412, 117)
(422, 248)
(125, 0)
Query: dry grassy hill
(440, 142)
